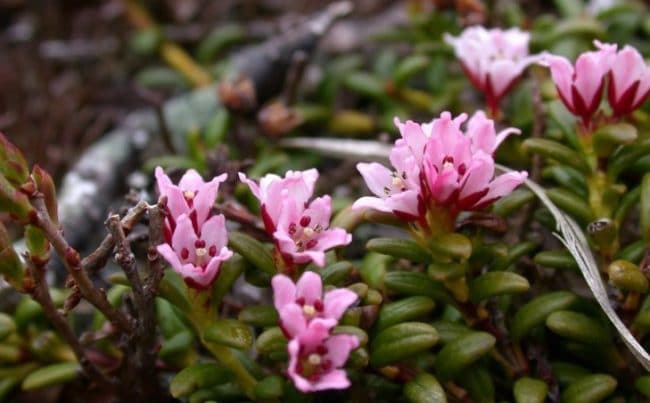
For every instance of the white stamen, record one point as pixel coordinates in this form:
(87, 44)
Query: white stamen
(188, 195)
(308, 232)
(314, 359)
(309, 310)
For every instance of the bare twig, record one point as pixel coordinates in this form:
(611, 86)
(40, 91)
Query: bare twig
(41, 294)
(97, 259)
(72, 262)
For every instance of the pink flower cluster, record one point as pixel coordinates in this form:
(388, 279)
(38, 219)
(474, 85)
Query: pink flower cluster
(300, 228)
(438, 165)
(492, 59)
(195, 239)
(307, 317)
(581, 86)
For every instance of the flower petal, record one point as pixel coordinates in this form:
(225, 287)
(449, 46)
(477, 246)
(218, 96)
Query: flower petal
(337, 301)
(284, 291)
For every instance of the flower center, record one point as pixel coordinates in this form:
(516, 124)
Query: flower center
(309, 310)
(304, 236)
(313, 365)
(314, 359)
(398, 183)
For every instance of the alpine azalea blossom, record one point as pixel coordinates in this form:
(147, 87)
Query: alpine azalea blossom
(192, 196)
(270, 190)
(492, 59)
(316, 358)
(300, 303)
(629, 80)
(581, 86)
(439, 165)
(197, 258)
(300, 228)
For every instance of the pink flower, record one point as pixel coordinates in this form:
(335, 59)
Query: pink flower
(580, 87)
(316, 358)
(459, 167)
(301, 303)
(492, 59)
(298, 184)
(397, 191)
(436, 163)
(303, 234)
(197, 258)
(629, 80)
(192, 196)
(300, 228)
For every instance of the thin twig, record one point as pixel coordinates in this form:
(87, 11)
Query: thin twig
(98, 258)
(72, 262)
(41, 294)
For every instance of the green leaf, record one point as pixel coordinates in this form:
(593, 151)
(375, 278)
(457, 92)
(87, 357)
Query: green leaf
(365, 84)
(425, 388)
(577, 326)
(607, 138)
(644, 208)
(271, 340)
(12, 201)
(590, 389)
(228, 274)
(198, 376)
(416, 284)
(336, 273)
(7, 325)
(253, 251)
(259, 315)
(558, 152)
(530, 390)
(409, 67)
(535, 312)
(627, 276)
(173, 289)
(373, 269)
(512, 202)
(36, 242)
(51, 375)
(452, 245)
(399, 248)
(567, 372)
(217, 128)
(450, 331)
(217, 40)
(495, 283)
(556, 259)
(270, 387)
(642, 384)
(571, 203)
(401, 341)
(478, 382)
(404, 310)
(176, 346)
(462, 352)
(229, 332)
(12, 162)
(625, 157)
